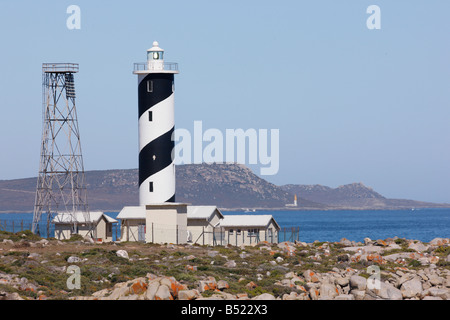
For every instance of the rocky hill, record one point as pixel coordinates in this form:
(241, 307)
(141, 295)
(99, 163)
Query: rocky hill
(231, 186)
(354, 196)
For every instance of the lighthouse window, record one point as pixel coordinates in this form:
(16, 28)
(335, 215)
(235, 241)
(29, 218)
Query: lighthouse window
(150, 116)
(151, 186)
(150, 86)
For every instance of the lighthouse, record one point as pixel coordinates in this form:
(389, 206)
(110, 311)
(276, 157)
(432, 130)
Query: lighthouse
(156, 90)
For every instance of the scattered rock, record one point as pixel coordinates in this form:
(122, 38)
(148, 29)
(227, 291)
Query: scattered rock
(411, 288)
(264, 296)
(73, 259)
(122, 254)
(188, 294)
(439, 241)
(288, 247)
(230, 264)
(345, 297)
(387, 291)
(251, 285)
(418, 246)
(427, 280)
(328, 291)
(358, 283)
(310, 276)
(163, 293)
(222, 285)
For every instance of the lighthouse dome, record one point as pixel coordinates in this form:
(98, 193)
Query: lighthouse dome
(155, 47)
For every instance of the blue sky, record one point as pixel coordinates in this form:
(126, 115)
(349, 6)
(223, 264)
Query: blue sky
(351, 104)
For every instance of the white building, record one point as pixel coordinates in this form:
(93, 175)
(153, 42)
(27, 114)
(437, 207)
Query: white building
(205, 225)
(67, 224)
(202, 224)
(249, 229)
(132, 226)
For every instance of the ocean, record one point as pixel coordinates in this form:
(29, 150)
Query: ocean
(355, 225)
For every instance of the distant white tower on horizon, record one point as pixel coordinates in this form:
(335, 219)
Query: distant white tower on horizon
(293, 204)
(156, 89)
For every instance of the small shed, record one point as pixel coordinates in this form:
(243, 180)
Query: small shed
(132, 226)
(202, 222)
(249, 229)
(67, 224)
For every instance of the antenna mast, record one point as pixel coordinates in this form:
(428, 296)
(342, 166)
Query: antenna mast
(61, 183)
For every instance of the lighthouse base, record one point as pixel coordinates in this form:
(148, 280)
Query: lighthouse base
(166, 223)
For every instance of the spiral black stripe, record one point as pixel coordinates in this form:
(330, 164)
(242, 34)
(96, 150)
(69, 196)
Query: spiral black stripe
(161, 89)
(156, 156)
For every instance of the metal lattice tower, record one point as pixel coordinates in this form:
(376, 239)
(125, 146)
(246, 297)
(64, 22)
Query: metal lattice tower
(61, 184)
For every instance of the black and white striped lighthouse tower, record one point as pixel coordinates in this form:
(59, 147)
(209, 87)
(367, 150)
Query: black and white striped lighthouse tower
(156, 126)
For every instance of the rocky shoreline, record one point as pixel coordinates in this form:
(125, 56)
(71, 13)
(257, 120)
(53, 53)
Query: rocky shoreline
(389, 269)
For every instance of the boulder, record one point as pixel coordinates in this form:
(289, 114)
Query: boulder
(8, 241)
(119, 290)
(208, 284)
(439, 241)
(432, 298)
(345, 297)
(418, 246)
(310, 276)
(393, 246)
(328, 291)
(222, 284)
(230, 264)
(288, 247)
(387, 291)
(264, 296)
(436, 292)
(358, 282)
(10, 296)
(188, 294)
(251, 285)
(173, 285)
(138, 286)
(346, 242)
(435, 280)
(411, 288)
(152, 288)
(163, 293)
(358, 294)
(122, 254)
(314, 294)
(381, 243)
(342, 281)
(73, 259)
